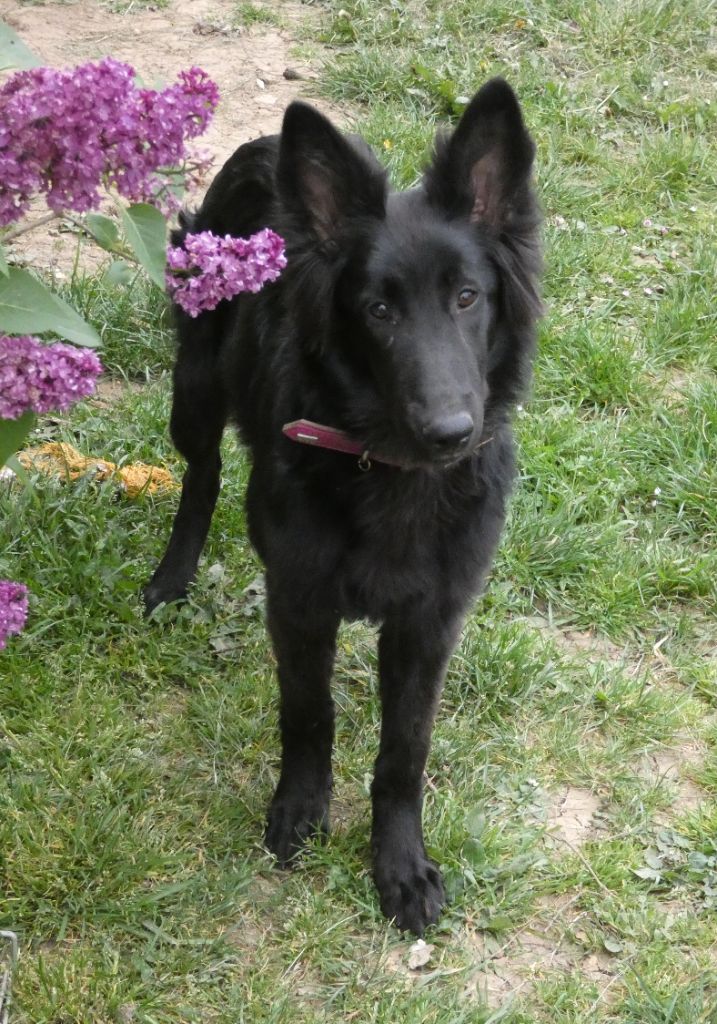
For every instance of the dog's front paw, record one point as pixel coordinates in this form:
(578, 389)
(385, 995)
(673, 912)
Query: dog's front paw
(162, 591)
(410, 888)
(294, 818)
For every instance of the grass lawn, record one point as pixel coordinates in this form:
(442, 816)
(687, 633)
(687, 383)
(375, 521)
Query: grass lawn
(572, 787)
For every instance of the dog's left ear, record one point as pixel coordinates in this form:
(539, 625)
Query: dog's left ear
(482, 170)
(325, 177)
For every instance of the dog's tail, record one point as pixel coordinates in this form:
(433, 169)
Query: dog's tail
(241, 199)
(239, 202)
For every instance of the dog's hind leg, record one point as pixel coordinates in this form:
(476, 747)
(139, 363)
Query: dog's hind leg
(197, 424)
(305, 645)
(414, 649)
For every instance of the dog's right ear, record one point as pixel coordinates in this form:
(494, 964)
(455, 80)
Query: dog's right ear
(323, 178)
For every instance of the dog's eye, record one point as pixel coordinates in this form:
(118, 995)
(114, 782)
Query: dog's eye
(379, 310)
(466, 298)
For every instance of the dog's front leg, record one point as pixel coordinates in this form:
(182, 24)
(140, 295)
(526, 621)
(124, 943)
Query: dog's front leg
(413, 654)
(304, 645)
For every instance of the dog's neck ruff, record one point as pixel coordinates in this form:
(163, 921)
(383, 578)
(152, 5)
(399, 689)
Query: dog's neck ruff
(320, 436)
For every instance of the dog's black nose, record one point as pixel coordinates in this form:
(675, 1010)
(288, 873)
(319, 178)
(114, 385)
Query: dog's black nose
(449, 432)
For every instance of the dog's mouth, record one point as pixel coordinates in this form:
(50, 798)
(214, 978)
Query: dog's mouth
(413, 459)
(454, 458)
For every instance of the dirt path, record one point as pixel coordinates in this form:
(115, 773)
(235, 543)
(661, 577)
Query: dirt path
(248, 66)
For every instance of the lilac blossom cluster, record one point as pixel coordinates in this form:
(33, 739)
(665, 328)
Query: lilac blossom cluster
(37, 378)
(67, 132)
(207, 268)
(13, 609)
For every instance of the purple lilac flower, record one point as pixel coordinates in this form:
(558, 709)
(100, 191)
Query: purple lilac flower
(207, 268)
(36, 377)
(67, 132)
(13, 609)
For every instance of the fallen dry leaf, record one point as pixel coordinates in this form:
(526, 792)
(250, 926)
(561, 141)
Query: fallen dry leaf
(59, 459)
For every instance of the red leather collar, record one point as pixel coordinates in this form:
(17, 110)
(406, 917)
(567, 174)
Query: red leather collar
(320, 436)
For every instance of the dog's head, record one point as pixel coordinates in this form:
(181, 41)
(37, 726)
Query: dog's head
(419, 306)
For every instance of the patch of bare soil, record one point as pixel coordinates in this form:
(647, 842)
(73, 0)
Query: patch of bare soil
(585, 640)
(252, 937)
(570, 816)
(578, 641)
(586, 644)
(247, 66)
(671, 765)
(257, 921)
(348, 807)
(111, 390)
(675, 385)
(507, 967)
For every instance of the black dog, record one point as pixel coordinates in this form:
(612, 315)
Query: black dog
(405, 320)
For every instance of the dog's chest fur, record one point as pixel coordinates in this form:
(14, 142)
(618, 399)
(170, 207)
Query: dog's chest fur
(381, 538)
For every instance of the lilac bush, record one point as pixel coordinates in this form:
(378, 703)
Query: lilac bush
(13, 609)
(65, 133)
(38, 378)
(207, 268)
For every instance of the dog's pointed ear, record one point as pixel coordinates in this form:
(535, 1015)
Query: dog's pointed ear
(324, 177)
(482, 170)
